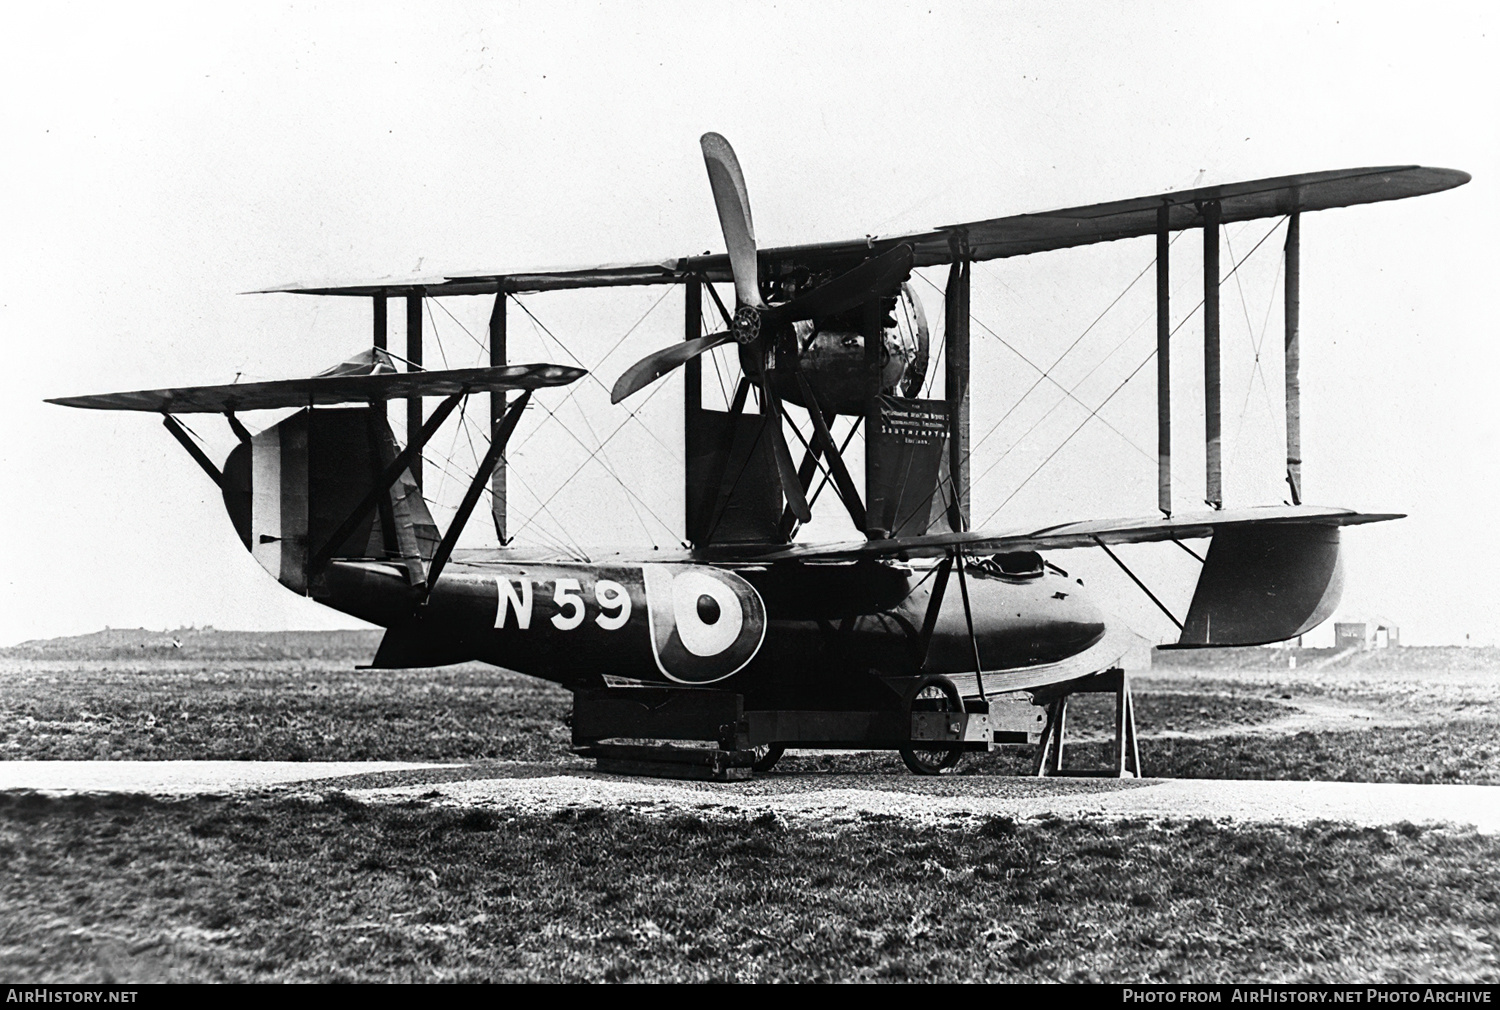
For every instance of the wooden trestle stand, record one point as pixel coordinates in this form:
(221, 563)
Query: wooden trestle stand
(1127, 754)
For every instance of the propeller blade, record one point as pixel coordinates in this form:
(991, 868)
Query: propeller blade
(791, 485)
(733, 203)
(653, 366)
(873, 278)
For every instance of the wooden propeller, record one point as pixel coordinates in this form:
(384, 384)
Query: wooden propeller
(756, 323)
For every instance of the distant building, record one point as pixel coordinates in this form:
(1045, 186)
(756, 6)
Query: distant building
(1367, 633)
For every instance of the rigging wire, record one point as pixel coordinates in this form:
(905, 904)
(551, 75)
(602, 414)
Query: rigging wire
(609, 467)
(436, 336)
(633, 327)
(714, 357)
(630, 496)
(570, 543)
(477, 342)
(595, 452)
(1045, 375)
(933, 371)
(806, 445)
(1058, 403)
(464, 421)
(536, 323)
(190, 431)
(1250, 388)
(1040, 378)
(1065, 441)
(1127, 379)
(1256, 345)
(597, 381)
(567, 546)
(463, 405)
(853, 428)
(605, 462)
(411, 365)
(567, 542)
(1070, 394)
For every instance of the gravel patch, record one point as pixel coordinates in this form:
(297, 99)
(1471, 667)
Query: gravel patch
(178, 778)
(548, 788)
(861, 797)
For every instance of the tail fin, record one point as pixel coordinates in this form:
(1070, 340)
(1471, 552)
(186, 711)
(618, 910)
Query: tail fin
(289, 488)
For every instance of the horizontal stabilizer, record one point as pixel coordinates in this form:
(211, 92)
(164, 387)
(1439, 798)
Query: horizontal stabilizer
(323, 390)
(1081, 534)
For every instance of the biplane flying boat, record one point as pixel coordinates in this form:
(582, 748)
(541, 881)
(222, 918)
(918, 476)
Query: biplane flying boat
(748, 638)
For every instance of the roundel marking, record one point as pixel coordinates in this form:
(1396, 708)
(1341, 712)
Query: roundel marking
(706, 623)
(695, 598)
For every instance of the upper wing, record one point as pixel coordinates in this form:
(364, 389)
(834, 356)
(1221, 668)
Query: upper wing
(1080, 534)
(994, 238)
(328, 389)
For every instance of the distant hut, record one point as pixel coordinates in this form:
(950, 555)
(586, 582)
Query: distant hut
(1366, 633)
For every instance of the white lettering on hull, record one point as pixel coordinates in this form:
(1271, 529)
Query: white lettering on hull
(509, 600)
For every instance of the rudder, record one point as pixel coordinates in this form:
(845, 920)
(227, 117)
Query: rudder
(289, 488)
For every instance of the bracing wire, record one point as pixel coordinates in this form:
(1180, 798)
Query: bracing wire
(714, 357)
(1260, 343)
(609, 467)
(463, 406)
(633, 327)
(1077, 340)
(558, 490)
(1058, 403)
(594, 378)
(933, 371)
(1255, 345)
(464, 421)
(477, 342)
(1065, 441)
(843, 447)
(1127, 379)
(1047, 377)
(598, 452)
(567, 543)
(436, 336)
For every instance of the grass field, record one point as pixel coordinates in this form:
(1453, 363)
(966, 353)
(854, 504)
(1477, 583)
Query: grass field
(281, 888)
(132, 889)
(264, 709)
(1407, 715)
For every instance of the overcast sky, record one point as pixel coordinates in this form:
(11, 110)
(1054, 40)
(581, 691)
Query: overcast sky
(159, 159)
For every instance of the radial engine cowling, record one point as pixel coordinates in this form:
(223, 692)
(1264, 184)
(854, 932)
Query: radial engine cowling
(832, 356)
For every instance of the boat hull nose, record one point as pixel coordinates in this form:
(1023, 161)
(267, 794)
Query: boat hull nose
(1017, 624)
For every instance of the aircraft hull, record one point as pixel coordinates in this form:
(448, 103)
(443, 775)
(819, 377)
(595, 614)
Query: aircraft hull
(785, 635)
